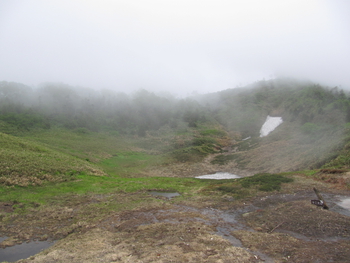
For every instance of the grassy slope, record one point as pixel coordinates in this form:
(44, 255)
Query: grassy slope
(118, 157)
(27, 163)
(123, 159)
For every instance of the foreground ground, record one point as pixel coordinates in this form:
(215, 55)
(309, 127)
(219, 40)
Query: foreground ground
(207, 226)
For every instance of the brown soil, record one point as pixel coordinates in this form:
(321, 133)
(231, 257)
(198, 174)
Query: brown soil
(6, 207)
(289, 228)
(280, 227)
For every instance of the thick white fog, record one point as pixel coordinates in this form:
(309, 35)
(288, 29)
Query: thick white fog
(181, 46)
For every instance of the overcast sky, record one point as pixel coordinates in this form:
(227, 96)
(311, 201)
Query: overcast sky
(179, 46)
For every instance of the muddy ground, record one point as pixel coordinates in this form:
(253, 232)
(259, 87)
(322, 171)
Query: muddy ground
(270, 227)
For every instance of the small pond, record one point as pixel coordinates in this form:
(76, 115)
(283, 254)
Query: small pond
(22, 251)
(219, 176)
(164, 194)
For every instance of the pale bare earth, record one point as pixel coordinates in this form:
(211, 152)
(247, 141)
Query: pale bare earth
(175, 233)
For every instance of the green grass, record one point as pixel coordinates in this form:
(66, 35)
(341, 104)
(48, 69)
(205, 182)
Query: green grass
(38, 155)
(129, 164)
(26, 163)
(92, 146)
(86, 184)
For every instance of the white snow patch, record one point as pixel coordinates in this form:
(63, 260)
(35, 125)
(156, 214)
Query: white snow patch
(270, 124)
(218, 176)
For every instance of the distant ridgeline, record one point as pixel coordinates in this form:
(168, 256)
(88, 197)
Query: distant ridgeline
(304, 103)
(242, 110)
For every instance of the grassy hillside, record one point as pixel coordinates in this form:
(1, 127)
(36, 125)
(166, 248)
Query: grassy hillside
(26, 163)
(313, 132)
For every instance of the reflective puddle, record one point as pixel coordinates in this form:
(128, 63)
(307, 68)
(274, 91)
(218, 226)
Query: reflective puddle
(164, 194)
(219, 176)
(23, 251)
(345, 203)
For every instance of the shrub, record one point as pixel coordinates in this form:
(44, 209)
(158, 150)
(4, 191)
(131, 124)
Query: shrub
(213, 132)
(223, 159)
(266, 182)
(203, 140)
(310, 128)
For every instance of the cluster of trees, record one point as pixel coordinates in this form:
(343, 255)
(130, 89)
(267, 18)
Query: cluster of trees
(55, 104)
(241, 109)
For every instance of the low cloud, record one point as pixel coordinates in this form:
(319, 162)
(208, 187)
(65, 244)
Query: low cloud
(177, 46)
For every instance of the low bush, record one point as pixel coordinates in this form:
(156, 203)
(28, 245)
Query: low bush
(265, 182)
(213, 132)
(223, 159)
(203, 140)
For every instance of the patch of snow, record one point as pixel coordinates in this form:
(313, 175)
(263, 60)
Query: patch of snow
(270, 124)
(247, 138)
(218, 176)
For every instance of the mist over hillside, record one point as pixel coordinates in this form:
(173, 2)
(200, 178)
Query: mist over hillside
(242, 109)
(313, 131)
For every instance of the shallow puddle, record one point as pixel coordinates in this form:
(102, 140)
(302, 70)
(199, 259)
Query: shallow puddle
(23, 251)
(345, 203)
(219, 176)
(164, 194)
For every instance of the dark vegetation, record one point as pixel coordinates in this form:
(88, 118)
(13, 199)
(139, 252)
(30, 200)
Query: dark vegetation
(241, 110)
(223, 159)
(239, 188)
(24, 108)
(266, 182)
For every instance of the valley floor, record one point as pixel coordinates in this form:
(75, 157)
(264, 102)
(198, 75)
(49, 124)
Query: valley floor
(282, 226)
